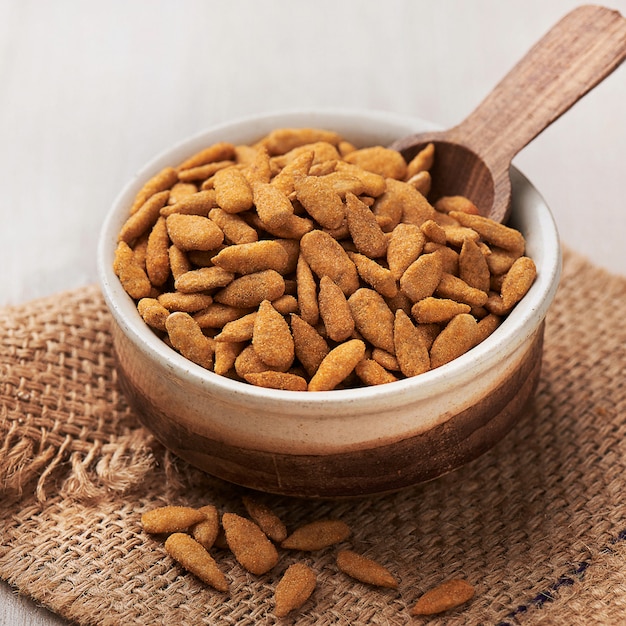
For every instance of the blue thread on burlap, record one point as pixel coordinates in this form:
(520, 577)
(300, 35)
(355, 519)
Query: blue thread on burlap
(567, 580)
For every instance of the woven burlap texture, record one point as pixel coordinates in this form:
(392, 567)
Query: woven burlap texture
(537, 524)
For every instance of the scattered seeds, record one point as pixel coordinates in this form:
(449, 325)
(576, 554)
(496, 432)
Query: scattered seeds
(250, 545)
(317, 535)
(194, 558)
(365, 569)
(293, 589)
(448, 595)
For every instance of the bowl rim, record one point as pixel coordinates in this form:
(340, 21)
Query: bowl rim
(510, 335)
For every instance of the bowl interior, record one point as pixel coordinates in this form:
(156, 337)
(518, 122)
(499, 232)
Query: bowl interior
(530, 214)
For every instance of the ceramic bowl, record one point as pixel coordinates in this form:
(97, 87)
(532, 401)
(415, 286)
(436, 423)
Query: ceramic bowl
(343, 442)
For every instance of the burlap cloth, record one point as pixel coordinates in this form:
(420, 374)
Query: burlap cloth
(538, 524)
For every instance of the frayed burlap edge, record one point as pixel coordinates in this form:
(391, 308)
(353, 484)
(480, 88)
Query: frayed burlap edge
(62, 419)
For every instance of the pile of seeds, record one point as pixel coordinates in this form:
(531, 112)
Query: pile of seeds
(255, 540)
(305, 263)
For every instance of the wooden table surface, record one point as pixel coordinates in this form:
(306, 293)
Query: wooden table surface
(91, 90)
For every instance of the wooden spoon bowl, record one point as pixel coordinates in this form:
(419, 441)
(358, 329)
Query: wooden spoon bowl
(473, 159)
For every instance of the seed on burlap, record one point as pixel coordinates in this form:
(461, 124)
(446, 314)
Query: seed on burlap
(317, 535)
(266, 519)
(205, 532)
(169, 519)
(448, 595)
(293, 589)
(250, 545)
(195, 559)
(365, 569)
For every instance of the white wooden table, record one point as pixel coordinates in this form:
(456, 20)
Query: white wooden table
(91, 90)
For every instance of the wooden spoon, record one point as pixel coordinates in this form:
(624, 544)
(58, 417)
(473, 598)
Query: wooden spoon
(473, 158)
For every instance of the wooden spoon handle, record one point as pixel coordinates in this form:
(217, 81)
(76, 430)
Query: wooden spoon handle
(574, 56)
